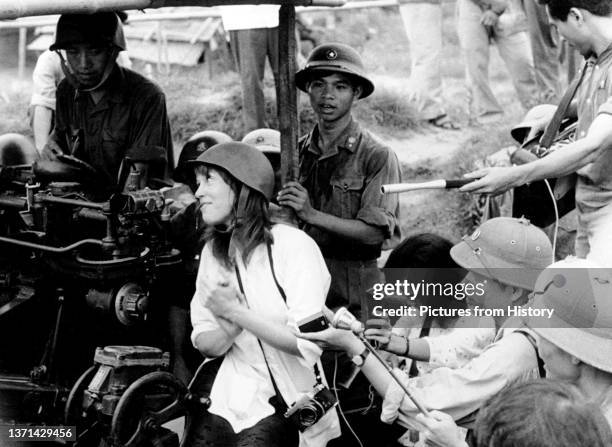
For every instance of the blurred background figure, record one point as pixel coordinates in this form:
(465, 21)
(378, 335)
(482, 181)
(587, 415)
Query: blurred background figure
(268, 142)
(481, 23)
(423, 23)
(546, 52)
(253, 31)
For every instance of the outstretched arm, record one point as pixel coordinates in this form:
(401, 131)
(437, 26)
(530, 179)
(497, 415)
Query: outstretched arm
(565, 160)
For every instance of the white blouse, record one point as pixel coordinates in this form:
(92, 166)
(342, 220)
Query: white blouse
(452, 347)
(243, 387)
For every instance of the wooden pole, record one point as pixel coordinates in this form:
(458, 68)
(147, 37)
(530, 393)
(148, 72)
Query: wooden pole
(286, 102)
(12, 9)
(21, 62)
(287, 95)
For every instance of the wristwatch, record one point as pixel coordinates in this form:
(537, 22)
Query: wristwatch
(359, 359)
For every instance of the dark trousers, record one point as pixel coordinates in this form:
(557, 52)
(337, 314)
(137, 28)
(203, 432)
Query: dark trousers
(251, 47)
(210, 430)
(351, 284)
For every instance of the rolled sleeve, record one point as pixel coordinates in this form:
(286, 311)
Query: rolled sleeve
(305, 280)
(458, 347)
(376, 208)
(202, 319)
(606, 107)
(45, 78)
(378, 217)
(459, 392)
(393, 398)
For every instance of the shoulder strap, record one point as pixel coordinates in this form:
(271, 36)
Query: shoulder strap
(282, 292)
(278, 286)
(276, 390)
(555, 123)
(533, 342)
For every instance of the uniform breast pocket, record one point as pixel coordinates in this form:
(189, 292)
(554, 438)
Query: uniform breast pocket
(603, 91)
(347, 193)
(113, 149)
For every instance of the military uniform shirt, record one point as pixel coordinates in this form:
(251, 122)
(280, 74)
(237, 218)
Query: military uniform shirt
(346, 183)
(129, 120)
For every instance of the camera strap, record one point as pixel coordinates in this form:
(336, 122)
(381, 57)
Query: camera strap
(284, 296)
(282, 293)
(279, 397)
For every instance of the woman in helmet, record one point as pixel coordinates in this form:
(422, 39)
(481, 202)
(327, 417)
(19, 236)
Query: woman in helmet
(255, 283)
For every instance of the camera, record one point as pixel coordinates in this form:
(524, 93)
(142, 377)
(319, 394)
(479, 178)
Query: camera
(310, 407)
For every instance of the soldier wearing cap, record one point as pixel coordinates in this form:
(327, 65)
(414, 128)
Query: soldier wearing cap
(505, 255)
(104, 112)
(576, 342)
(342, 167)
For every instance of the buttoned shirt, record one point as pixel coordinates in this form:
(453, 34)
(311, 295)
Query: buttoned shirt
(450, 347)
(594, 97)
(460, 392)
(130, 120)
(606, 406)
(242, 387)
(241, 17)
(345, 182)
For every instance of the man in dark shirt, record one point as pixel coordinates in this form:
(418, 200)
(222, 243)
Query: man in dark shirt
(106, 113)
(342, 167)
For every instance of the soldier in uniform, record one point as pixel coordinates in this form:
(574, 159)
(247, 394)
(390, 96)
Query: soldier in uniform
(104, 112)
(342, 167)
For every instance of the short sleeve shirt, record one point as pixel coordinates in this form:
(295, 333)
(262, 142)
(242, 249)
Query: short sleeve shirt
(130, 120)
(346, 183)
(595, 97)
(47, 74)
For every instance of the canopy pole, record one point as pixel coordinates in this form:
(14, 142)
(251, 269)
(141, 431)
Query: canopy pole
(287, 96)
(286, 102)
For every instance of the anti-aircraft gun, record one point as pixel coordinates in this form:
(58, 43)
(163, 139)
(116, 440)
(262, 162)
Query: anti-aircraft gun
(83, 267)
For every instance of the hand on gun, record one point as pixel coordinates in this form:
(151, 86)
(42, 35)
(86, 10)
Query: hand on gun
(51, 151)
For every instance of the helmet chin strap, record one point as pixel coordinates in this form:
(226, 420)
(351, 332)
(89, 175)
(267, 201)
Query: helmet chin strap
(110, 63)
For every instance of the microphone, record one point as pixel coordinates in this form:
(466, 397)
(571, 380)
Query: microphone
(434, 184)
(343, 319)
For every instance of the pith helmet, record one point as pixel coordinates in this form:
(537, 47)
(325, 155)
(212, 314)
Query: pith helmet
(534, 116)
(266, 140)
(509, 250)
(335, 58)
(101, 28)
(243, 162)
(193, 148)
(579, 293)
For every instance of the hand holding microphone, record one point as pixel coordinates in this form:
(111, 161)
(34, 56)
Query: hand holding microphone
(343, 319)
